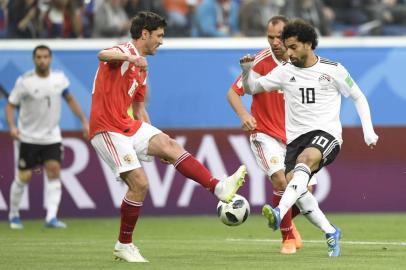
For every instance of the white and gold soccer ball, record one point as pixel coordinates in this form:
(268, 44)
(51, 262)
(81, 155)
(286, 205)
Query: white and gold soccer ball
(235, 212)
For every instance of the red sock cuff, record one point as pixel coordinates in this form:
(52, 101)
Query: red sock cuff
(130, 211)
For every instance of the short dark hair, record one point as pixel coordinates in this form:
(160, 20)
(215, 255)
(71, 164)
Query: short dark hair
(146, 20)
(41, 47)
(302, 30)
(278, 18)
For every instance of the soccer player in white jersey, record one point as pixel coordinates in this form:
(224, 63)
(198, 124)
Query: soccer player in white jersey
(266, 124)
(38, 95)
(313, 87)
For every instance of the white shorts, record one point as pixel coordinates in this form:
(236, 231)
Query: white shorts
(269, 152)
(123, 153)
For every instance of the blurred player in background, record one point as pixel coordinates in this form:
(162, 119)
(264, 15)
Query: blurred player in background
(38, 96)
(123, 142)
(312, 87)
(267, 126)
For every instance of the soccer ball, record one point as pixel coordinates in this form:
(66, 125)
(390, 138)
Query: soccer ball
(235, 212)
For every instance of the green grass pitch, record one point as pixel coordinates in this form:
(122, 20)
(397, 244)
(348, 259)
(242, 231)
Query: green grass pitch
(370, 241)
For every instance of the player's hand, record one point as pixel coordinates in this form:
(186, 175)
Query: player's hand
(138, 61)
(371, 140)
(15, 133)
(246, 59)
(248, 122)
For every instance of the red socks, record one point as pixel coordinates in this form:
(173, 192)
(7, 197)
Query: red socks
(295, 211)
(190, 167)
(129, 214)
(286, 223)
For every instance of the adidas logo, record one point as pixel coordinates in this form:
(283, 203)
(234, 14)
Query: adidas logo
(292, 79)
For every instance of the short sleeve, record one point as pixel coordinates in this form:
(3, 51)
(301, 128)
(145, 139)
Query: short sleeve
(65, 82)
(17, 93)
(272, 80)
(140, 94)
(237, 86)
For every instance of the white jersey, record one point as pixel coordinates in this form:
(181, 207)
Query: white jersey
(312, 95)
(39, 100)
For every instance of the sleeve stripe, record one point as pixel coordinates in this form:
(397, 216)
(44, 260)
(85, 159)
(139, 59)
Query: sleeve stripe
(117, 47)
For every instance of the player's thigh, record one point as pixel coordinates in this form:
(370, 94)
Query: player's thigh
(136, 179)
(29, 156)
(117, 151)
(327, 145)
(315, 147)
(151, 141)
(269, 152)
(52, 156)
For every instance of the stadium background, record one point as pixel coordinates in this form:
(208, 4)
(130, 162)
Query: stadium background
(188, 84)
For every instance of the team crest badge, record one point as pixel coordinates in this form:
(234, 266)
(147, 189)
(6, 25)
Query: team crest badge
(324, 80)
(22, 163)
(128, 158)
(274, 160)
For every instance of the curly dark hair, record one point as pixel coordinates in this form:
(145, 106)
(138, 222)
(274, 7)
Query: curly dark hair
(302, 30)
(146, 20)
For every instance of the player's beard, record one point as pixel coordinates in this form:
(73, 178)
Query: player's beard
(42, 69)
(297, 62)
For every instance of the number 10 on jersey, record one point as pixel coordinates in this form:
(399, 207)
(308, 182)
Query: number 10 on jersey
(308, 95)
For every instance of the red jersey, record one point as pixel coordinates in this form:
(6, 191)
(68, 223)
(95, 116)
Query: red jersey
(268, 108)
(116, 86)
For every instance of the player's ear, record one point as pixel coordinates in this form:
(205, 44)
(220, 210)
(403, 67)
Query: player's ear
(144, 34)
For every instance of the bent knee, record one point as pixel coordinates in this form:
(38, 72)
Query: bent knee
(144, 186)
(310, 160)
(25, 176)
(53, 169)
(279, 181)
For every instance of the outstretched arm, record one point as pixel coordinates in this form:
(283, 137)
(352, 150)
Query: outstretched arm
(111, 56)
(361, 104)
(251, 86)
(77, 110)
(254, 85)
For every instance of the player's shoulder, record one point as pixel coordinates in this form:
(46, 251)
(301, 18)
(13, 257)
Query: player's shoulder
(330, 66)
(265, 54)
(124, 47)
(325, 61)
(58, 73)
(27, 75)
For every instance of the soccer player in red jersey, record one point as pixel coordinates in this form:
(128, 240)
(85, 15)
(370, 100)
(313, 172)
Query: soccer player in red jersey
(266, 123)
(122, 141)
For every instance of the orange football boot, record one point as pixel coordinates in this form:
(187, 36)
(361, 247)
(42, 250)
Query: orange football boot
(298, 238)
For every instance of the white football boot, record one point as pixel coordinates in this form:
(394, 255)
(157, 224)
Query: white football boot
(227, 188)
(128, 253)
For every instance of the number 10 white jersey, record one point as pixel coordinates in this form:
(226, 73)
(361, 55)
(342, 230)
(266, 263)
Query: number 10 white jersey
(312, 95)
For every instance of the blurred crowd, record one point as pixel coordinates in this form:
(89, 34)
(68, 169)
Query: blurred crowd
(197, 18)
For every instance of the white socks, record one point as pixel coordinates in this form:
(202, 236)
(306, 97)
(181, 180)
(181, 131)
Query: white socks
(53, 195)
(296, 187)
(16, 193)
(309, 207)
